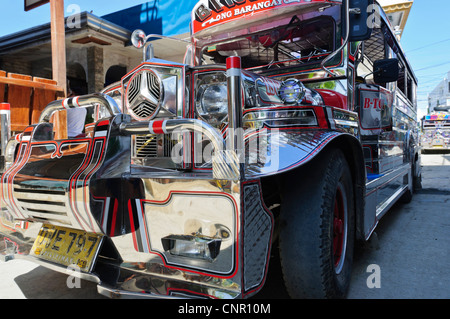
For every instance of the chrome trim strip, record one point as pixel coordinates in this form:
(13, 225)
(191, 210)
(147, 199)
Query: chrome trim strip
(57, 268)
(344, 44)
(114, 293)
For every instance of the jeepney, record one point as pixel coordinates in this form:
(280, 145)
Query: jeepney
(289, 129)
(435, 131)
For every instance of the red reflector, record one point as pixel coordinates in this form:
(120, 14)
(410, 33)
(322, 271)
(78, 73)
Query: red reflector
(5, 107)
(234, 62)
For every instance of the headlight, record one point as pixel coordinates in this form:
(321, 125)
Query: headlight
(292, 91)
(212, 98)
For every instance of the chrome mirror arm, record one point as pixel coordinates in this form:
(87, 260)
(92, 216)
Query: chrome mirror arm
(344, 44)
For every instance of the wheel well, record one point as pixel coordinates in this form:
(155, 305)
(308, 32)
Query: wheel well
(354, 155)
(351, 147)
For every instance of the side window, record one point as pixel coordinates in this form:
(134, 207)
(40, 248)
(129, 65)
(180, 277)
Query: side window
(406, 84)
(401, 83)
(371, 50)
(410, 88)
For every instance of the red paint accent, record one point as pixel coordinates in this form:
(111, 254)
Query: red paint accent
(234, 62)
(205, 17)
(338, 227)
(103, 123)
(114, 217)
(5, 107)
(321, 118)
(332, 98)
(133, 229)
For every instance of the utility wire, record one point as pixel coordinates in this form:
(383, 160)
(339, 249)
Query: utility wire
(427, 46)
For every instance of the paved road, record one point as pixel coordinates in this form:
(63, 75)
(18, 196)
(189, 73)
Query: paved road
(411, 253)
(413, 249)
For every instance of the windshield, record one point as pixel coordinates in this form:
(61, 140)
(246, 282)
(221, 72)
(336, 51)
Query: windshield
(297, 43)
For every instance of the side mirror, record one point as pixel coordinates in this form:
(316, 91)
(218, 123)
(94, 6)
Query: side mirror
(138, 39)
(362, 12)
(385, 71)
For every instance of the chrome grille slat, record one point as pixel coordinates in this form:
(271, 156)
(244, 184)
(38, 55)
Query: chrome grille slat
(134, 88)
(153, 146)
(146, 146)
(43, 204)
(153, 86)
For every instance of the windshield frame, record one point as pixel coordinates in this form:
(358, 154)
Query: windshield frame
(294, 20)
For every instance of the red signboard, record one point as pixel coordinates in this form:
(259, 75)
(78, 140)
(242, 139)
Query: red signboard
(31, 4)
(208, 13)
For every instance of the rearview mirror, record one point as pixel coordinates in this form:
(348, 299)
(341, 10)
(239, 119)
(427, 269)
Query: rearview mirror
(385, 71)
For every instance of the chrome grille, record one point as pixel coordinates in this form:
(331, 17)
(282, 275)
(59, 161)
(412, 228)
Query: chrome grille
(146, 146)
(153, 146)
(144, 95)
(43, 205)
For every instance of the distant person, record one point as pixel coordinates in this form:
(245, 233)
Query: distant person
(75, 122)
(76, 119)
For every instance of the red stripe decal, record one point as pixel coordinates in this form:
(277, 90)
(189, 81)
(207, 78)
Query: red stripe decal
(114, 217)
(133, 230)
(103, 123)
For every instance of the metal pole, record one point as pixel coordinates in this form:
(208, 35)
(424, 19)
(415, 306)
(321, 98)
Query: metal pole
(5, 122)
(235, 105)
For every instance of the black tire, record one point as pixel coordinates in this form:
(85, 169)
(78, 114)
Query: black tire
(311, 269)
(408, 195)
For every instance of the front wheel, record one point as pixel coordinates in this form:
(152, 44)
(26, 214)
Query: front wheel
(318, 229)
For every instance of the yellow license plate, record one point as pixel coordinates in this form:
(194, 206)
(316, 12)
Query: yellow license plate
(67, 247)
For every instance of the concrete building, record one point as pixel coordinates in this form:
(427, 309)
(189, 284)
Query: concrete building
(98, 49)
(440, 96)
(397, 12)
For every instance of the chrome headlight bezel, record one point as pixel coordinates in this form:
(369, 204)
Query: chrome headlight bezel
(211, 100)
(292, 91)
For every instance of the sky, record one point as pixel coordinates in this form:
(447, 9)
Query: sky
(14, 18)
(426, 42)
(426, 38)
